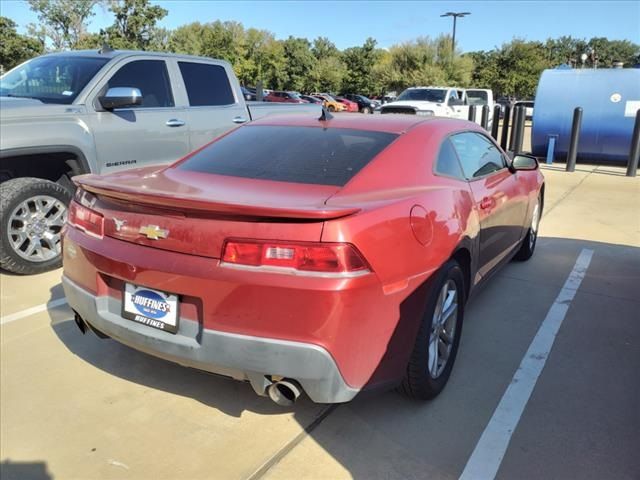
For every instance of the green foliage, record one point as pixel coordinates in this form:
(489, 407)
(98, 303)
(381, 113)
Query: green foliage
(360, 62)
(63, 22)
(297, 64)
(423, 61)
(134, 26)
(15, 48)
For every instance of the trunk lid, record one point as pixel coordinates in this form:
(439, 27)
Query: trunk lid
(193, 212)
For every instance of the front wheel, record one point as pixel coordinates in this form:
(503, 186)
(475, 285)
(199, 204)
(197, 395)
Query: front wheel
(366, 110)
(529, 242)
(32, 214)
(331, 108)
(437, 341)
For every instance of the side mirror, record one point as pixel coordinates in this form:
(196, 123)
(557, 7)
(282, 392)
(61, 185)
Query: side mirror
(524, 162)
(121, 97)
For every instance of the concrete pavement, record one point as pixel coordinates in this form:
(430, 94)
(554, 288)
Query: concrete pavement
(74, 406)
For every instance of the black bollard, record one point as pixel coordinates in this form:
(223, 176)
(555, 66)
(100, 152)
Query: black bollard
(505, 127)
(518, 128)
(472, 113)
(484, 119)
(517, 113)
(572, 154)
(634, 152)
(259, 92)
(495, 122)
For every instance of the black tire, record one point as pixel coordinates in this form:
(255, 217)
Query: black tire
(419, 382)
(528, 245)
(366, 110)
(331, 108)
(12, 194)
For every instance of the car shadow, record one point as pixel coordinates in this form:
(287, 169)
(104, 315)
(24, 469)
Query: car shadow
(383, 434)
(24, 470)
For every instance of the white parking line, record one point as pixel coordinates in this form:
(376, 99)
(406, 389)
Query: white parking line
(32, 311)
(490, 449)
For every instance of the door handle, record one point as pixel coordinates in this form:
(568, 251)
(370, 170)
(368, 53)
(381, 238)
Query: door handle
(486, 203)
(175, 122)
(239, 120)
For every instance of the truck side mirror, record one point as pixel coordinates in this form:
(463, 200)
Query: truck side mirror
(121, 97)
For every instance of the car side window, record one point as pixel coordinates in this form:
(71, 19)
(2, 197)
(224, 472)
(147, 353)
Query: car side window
(447, 162)
(207, 84)
(150, 77)
(478, 155)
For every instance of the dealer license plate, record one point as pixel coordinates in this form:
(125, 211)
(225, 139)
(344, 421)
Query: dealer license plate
(150, 307)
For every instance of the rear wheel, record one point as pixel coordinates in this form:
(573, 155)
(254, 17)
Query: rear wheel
(331, 108)
(529, 242)
(366, 110)
(437, 341)
(32, 214)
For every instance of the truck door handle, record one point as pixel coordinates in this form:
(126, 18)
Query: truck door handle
(486, 203)
(239, 120)
(175, 122)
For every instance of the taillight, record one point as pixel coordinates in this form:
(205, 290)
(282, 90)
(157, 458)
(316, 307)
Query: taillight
(85, 219)
(324, 258)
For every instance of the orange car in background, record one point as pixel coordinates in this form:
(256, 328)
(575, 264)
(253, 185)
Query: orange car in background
(330, 103)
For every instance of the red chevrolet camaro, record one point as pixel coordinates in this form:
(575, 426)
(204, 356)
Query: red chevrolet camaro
(329, 256)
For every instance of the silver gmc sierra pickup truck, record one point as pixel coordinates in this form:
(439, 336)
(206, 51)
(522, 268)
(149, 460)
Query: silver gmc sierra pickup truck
(91, 111)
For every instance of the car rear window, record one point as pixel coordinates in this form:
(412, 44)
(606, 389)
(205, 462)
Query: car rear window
(321, 156)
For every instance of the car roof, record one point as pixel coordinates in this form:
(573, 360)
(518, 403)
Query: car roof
(391, 123)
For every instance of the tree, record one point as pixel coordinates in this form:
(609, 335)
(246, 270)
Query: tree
(15, 48)
(423, 61)
(324, 48)
(360, 62)
(134, 25)
(63, 22)
(299, 62)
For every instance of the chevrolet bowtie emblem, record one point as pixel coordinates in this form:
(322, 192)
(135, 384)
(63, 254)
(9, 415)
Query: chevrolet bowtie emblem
(153, 232)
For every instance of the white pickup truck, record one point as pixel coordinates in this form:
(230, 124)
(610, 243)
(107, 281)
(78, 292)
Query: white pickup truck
(93, 111)
(441, 102)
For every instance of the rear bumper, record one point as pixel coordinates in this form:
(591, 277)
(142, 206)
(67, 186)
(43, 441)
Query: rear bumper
(242, 357)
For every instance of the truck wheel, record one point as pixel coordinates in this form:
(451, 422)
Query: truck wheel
(437, 341)
(32, 214)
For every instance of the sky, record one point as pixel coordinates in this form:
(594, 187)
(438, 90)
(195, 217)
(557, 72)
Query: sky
(349, 23)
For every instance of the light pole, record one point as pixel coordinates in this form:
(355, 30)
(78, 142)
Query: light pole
(455, 16)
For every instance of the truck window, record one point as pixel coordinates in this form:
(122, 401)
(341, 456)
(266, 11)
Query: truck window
(150, 77)
(207, 85)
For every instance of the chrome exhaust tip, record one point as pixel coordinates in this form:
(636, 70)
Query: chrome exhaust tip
(284, 392)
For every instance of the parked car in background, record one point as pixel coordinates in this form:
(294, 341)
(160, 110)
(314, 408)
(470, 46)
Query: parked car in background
(91, 111)
(375, 231)
(284, 97)
(248, 94)
(312, 99)
(365, 105)
(329, 102)
(350, 105)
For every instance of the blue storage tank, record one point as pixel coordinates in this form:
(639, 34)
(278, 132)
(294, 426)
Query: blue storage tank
(609, 99)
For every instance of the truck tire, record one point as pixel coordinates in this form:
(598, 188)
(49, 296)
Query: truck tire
(32, 214)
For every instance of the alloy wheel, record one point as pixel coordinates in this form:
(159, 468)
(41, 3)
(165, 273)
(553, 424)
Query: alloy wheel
(443, 329)
(34, 228)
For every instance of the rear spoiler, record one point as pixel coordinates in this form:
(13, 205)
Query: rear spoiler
(161, 199)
